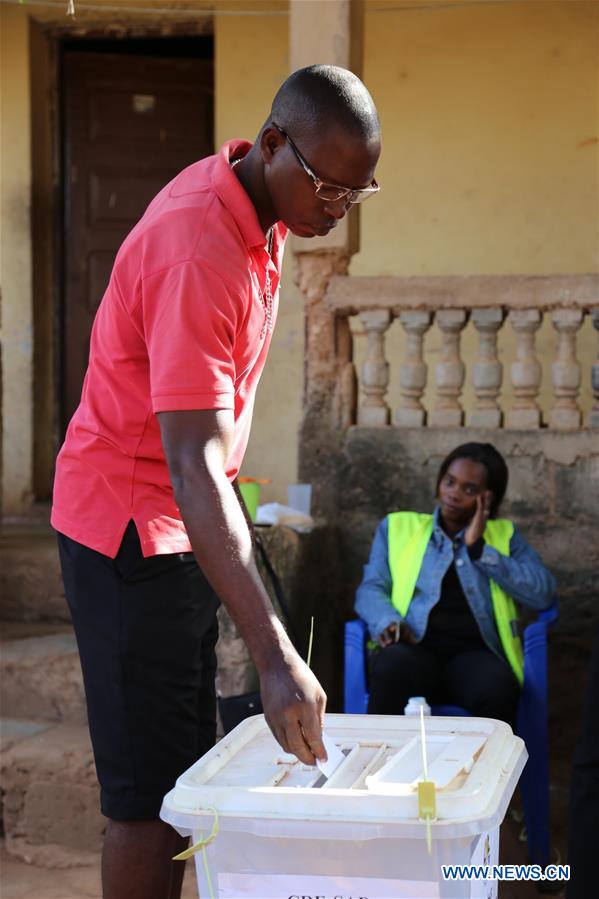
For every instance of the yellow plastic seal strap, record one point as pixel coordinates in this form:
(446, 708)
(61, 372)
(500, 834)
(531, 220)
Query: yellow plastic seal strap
(427, 807)
(201, 845)
(427, 799)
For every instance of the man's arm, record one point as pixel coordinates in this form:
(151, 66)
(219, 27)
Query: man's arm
(197, 445)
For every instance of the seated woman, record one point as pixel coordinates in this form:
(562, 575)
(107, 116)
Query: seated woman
(439, 595)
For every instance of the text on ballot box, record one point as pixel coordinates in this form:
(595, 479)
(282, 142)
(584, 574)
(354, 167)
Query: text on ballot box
(283, 830)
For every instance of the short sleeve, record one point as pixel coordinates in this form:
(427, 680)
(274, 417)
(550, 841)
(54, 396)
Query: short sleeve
(190, 320)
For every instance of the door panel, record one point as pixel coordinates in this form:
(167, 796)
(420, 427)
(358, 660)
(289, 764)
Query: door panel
(130, 123)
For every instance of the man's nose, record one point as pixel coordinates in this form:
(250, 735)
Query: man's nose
(338, 208)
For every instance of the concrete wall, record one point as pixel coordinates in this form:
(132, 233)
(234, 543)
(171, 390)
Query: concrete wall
(553, 495)
(489, 116)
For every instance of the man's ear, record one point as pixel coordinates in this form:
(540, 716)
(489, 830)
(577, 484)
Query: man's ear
(271, 141)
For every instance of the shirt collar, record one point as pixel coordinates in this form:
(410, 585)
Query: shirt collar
(438, 530)
(229, 190)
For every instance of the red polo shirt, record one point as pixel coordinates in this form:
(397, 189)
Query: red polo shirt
(181, 326)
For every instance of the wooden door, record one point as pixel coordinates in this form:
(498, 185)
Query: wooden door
(130, 123)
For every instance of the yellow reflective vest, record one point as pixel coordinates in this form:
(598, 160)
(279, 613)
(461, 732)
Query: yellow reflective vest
(408, 537)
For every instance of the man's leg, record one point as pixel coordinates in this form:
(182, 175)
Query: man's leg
(146, 630)
(399, 671)
(133, 861)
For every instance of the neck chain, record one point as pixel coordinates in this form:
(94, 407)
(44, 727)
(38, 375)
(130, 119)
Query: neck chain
(267, 302)
(266, 295)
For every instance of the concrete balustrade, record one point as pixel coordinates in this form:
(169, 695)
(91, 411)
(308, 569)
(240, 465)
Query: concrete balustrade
(512, 306)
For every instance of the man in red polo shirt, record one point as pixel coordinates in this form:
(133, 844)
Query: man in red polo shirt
(151, 532)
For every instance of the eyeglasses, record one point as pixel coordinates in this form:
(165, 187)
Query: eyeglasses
(324, 189)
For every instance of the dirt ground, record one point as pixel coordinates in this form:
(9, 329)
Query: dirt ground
(21, 881)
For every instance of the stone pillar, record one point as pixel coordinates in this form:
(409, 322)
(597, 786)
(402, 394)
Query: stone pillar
(594, 416)
(487, 373)
(450, 371)
(526, 371)
(565, 371)
(375, 371)
(413, 370)
(328, 337)
(325, 31)
(330, 32)
(329, 380)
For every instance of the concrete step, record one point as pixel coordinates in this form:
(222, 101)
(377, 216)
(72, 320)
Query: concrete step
(51, 796)
(40, 678)
(14, 731)
(30, 581)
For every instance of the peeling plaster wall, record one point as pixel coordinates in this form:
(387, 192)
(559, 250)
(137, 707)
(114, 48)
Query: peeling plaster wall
(490, 138)
(553, 495)
(15, 266)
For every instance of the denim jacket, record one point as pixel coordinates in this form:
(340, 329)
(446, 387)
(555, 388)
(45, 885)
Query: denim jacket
(521, 574)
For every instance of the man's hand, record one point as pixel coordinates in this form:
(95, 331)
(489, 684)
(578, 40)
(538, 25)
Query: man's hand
(478, 523)
(294, 704)
(197, 445)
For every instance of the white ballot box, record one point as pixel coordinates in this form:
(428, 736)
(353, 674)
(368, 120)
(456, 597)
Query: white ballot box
(282, 830)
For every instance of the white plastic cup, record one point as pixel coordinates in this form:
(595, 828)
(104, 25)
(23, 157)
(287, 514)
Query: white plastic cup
(299, 496)
(415, 703)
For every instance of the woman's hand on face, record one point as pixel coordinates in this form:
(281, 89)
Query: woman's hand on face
(478, 521)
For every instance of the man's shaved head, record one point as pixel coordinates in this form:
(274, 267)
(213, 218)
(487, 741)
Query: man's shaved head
(317, 97)
(316, 154)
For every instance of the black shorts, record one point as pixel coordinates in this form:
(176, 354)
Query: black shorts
(146, 631)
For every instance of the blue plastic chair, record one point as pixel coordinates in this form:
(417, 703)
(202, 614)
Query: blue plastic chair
(531, 723)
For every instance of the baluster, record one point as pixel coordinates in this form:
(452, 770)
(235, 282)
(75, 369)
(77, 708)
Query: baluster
(413, 371)
(346, 392)
(375, 370)
(594, 416)
(450, 371)
(566, 371)
(487, 373)
(526, 371)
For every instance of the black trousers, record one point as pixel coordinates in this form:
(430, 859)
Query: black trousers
(146, 631)
(477, 680)
(583, 851)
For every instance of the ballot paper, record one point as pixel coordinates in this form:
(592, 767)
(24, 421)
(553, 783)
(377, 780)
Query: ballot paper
(334, 757)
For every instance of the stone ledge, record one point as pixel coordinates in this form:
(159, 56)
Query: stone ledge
(41, 679)
(51, 803)
(30, 580)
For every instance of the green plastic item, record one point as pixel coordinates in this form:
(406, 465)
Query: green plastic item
(250, 492)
